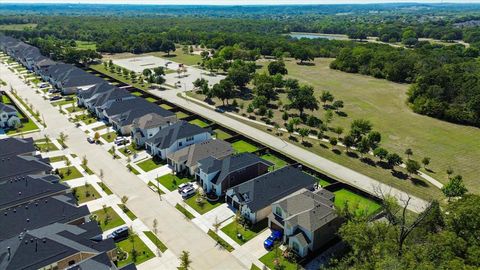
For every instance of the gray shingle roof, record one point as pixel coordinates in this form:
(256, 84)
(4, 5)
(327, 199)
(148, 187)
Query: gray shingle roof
(44, 246)
(309, 210)
(39, 213)
(230, 164)
(15, 146)
(179, 130)
(6, 108)
(190, 155)
(28, 188)
(263, 190)
(126, 111)
(19, 166)
(96, 89)
(152, 120)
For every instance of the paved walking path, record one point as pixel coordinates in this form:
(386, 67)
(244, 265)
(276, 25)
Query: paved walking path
(350, 176)
(177, 233)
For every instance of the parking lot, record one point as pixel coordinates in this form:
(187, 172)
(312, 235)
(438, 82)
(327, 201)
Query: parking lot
(184, 81)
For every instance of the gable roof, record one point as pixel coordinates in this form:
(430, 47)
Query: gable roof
(228, 165)
(96, 89)
(151, 120)
(179, 130)
(309, 210)
(111, 94)
(7, 108)
(263, 190)
(15, 146)
(81, 79)
(192, 154)
(126, 111)
(39, 213)
(19, 166)
(49, 244)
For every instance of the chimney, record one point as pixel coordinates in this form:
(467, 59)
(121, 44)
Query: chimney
(9, 253)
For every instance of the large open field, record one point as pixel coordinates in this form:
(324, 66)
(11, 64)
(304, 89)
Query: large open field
(383, 103)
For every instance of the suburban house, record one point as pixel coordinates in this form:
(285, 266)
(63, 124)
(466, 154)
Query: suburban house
(121, 114)
(68, 78)
(254, 198)
(307, 219)
(148, 125)
(8, 116)
(216, 175)
(28, 188)
(175, 137)
(42, 62)
(54, 246)
(188, 157)
(102, 101)
(16, 146)
(16, 166)
(88, 96)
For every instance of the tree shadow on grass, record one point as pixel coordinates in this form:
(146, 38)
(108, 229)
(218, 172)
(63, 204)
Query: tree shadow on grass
(368, 161)
(306, 144)
(341, 114)
(324, 146)
(293, 138)
(336, 151)
(352, 154)
(429, 170)
(383, 165)
(305, 63)
(418, 182)
(399, 175)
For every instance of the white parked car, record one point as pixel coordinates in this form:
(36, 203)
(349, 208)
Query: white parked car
(121, 140)
(183, 186)
(188, 192)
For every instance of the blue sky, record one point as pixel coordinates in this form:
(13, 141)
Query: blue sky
(233, 2)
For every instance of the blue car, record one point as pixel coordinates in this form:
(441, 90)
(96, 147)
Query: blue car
(270, 241)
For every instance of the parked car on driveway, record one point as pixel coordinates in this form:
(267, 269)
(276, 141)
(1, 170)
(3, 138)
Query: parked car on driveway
(184, 186)
(121, 141)
(52, 91)
(90, 140)
(55, 98)
(119, 234)
(187, 192)
(270, 241)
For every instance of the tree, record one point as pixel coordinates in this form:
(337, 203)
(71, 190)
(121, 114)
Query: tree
(425, 162)
(185, 261)
(84, 161)
(223, 90)
(337, 105)
(394, 159)
(374, 138)
(302, 98)
(363, 146)
(303, 54)
(124, 200)
(333, 141)
(381, 153)
(348, 141)
(408, 152)
(338, 131)
(96, 136)
(303, 133)
(449, 172)
(412, 166)
(277, 67)
(325, 97)
(167, 46)
(285, 116)
(239, 75)
(454, 188)
(62, 138)
(147, 72)
(360, 127)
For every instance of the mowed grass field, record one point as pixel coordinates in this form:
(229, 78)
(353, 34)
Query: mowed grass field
(384, 104)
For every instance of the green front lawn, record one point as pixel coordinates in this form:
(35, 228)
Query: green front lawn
(171, 182)
(270, 260)
(323, 182)
(184, 211)
(166, 106)
(199, 123)
(110, 136)
(57, 159)
(99, 128)
(87, 119)
(243, 146)
(45, 147)
(86, 169)
(181, 115)
(149, 164)
(136, 93)
(67, 174)
(203, 207)
(160, 245)
(105, 188)
(277, 162)
(220, 241)
(234, 228)
(128, 245)
(85, 193)
(130, 147)
(64, 102)
(132, 169)
(108, 218)
(363, 205)
(127, 211)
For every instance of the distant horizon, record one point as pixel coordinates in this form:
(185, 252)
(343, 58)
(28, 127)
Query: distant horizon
(236, 2)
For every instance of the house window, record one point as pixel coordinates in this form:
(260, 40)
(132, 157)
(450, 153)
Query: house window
(189, 139)
(295, 247)
(179, 144)
(278, 211)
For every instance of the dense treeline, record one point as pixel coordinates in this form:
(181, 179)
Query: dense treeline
(445, 78)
